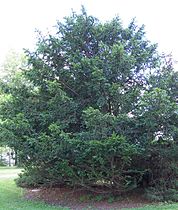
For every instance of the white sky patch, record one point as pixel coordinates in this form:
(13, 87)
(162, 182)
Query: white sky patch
(20, 18)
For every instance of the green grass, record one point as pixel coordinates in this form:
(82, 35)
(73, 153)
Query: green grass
(158, 207)
(9, 171)
(11, 197)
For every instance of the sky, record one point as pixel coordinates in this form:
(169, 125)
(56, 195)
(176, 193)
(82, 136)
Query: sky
(20, 18)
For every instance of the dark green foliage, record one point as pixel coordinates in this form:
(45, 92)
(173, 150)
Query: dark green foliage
(96, 107)
(82, 163)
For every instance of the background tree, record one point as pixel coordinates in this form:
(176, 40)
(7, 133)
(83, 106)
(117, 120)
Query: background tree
(13, 63)
(10, 80)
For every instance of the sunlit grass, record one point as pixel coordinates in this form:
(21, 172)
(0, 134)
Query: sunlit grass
(10, 170)
(11, 197)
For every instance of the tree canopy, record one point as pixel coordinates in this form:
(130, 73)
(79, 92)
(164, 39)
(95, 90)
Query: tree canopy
(97, 104)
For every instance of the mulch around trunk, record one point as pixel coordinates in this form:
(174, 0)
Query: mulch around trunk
(78, 199)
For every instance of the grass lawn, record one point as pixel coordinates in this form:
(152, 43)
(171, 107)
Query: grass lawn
(9, 171)
(158, 207)
(11, 197)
